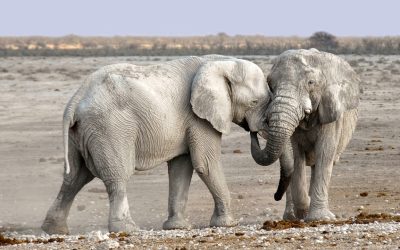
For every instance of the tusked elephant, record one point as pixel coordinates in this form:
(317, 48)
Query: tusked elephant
(127, 117)
(311, 118)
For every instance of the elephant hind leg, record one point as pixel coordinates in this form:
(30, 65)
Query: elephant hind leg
(120, 219)
(180, 171)
(114, 161)
(56, 218)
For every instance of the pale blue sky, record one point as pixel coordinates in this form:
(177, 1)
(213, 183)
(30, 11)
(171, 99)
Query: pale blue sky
(201, 17)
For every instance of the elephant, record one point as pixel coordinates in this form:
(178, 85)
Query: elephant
(126, 117)
(311, 118)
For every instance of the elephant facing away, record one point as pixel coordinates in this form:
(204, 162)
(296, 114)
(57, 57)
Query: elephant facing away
(311, 118)
(127, 117)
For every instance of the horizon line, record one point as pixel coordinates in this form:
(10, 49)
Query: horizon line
(187, 36)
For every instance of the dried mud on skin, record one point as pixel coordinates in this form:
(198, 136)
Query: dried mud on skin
(362, 218)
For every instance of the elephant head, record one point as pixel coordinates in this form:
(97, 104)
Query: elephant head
(309, 87)
(228, 89)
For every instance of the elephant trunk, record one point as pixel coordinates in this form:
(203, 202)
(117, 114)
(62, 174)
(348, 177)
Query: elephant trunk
(287, 166)
(284, 117)
(277, 137)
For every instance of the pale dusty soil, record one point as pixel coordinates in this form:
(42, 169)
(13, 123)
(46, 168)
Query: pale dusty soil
(34, 91)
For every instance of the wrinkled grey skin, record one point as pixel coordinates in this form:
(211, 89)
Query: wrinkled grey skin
(127, 117)
(311, 118)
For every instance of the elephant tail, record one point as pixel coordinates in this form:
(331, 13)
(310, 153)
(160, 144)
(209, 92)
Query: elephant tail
(68, 122)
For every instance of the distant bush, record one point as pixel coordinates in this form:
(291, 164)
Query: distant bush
(324, 41)
(178, 46)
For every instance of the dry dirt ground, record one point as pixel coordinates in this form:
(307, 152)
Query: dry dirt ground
(34, 91)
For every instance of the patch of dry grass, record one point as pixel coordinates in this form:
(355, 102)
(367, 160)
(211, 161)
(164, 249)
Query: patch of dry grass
(221, 43)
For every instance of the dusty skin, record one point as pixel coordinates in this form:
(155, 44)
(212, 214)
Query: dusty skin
(34, 91)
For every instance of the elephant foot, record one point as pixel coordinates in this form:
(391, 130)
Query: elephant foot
(322, 214)
(127, 226)
(223, 221)
(301, 214)
(295, 214)
(289, 216)
(176, 223)
(52, 226)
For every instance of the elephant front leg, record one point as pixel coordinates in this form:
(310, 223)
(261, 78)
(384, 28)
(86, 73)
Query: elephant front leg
(289, 214)
(321, 175)
(320, 178)
(205, 152)
(215, 181)
(301, 200)
(180, 171)
(119, 219)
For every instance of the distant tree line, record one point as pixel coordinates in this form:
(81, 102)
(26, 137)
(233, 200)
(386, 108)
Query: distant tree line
(176, 46)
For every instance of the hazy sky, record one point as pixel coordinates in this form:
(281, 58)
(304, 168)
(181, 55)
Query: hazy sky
(200, 17)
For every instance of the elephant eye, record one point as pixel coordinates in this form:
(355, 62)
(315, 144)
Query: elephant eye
(311, 82)
(254, 103)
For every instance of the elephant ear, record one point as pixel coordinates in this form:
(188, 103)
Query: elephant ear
(210, 96)
(341, 93)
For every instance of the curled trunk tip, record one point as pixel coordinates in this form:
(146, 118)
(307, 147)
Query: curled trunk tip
(266, 156)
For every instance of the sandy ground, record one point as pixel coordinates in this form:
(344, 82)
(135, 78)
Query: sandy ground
(34, 91)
